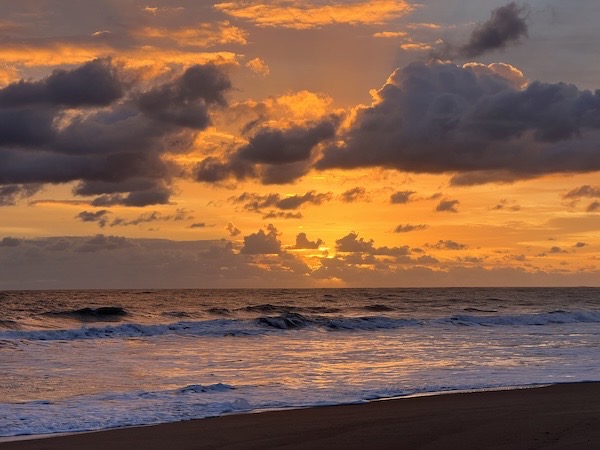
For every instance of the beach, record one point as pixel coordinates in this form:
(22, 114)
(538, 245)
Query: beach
(558, 416)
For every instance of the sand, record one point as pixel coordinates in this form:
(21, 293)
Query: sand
(560, 416)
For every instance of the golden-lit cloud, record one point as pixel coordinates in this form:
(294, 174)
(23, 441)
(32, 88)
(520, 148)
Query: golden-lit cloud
(200, 35)
(390, 34)
(258, 66)
(301, 14)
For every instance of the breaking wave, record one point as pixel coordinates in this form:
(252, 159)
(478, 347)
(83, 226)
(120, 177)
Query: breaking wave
(295, 321)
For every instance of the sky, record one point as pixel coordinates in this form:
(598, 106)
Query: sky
(299, 143)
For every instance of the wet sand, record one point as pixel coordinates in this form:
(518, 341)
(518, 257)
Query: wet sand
(561, 416)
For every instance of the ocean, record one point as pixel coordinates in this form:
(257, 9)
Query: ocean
(75, 361)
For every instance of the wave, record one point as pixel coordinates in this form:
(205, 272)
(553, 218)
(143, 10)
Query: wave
(295, 321)
(102, 313)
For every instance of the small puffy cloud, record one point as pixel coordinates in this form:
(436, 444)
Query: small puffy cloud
(354, 195)
(258, 66)
(556, 249)
(507, 25)
(197, 225)
(351, 243)
(447, 245)
(401, 197)
(302, 242)
(505, 205)
(447, 206)
(233, 230)
(580, 245)
(408, 228)
(100, 217)
(261, 243)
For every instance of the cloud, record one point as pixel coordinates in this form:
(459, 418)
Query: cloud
(95, 83)
(408, 228)
(197, 225)
(302, 242)
(447, 245)
(593, 207)
(274, 155)
(281, 215)
(401, 197)
(504, 205)
(233, 230)
(507, 25)
(99, 217)
(202, 35)
(583, 191)
(447, 206)
(262, 243)
(11, 192)
(256, 202)
(258, 66)
(556, 249)
(351, 243)
(354, 195)
(580, 245)
(477, 121)
(94, 126)
(101, 242)
(153, 216)
(10, 242)
(305, 14)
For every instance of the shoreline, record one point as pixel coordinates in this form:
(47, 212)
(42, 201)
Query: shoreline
(27, 437)
(565, 414)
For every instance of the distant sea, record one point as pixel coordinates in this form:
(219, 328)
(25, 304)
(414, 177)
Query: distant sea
(87, 360)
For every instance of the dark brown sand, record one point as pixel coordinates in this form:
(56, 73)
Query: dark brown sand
(561, 416)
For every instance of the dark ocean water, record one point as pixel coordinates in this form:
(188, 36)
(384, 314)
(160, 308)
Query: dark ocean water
(83, 360)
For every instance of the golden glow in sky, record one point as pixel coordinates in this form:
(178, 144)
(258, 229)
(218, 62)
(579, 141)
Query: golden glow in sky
(298, 143)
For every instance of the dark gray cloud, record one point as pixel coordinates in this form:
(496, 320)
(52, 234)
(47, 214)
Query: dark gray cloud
(408, 228)
(184, 102)
(261, 243)
(505, 205)
(95, 83)
(474, 120)
(507, 26)
(275, 156)
(593, 207)
(100, 217)
(10, 242)
(256, 202)
(233, 230)
(401, 197)
(101, 242)
(302, 242)
(281, 215)
(556, 249)
(583, 191)
(447, 206)
(447, 245)
(153, 216)
(198, 225)
(115, 152)
(10, 193)
(354, 195)
(580, 244)
(351, 243)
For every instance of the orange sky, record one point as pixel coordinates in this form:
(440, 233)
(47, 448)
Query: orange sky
(298, 143)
